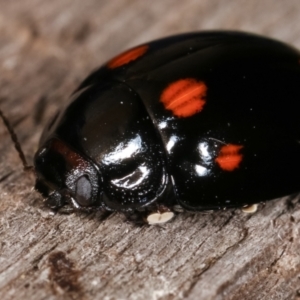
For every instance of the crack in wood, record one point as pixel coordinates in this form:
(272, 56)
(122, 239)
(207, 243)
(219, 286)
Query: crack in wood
(6, 176)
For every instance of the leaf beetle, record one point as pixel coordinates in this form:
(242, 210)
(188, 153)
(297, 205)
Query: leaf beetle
(200, 121)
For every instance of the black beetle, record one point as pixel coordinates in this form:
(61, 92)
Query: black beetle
(199, 121)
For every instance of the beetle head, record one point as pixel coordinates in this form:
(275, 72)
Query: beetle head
(63, 174)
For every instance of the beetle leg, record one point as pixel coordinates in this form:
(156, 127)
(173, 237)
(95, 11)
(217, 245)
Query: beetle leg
(178, 208)
(71, 204)
(66, 209)
(54, 200)
(136, 217)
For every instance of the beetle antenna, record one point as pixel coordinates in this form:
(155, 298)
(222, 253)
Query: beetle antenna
(16, 142)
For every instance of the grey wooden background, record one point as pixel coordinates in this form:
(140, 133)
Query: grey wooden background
(46, 49)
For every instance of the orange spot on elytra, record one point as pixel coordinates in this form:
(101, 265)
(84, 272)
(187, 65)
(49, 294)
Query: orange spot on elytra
(128, 56)
(184, 97)
(229, 157)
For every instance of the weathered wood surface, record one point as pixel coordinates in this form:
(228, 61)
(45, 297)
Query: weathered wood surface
(46, 49)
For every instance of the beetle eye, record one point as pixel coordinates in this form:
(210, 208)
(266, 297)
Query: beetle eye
(83, 192)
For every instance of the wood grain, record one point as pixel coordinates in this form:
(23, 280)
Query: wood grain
(46, 49)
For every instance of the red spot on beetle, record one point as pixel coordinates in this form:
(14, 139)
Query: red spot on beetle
(127, 57)
(184, 97)
(73, 159)
(229, 157)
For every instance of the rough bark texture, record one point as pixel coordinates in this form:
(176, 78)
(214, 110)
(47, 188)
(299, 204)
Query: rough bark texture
(46, 49)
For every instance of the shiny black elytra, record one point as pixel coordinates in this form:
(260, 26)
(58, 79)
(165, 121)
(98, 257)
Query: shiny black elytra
(203, 120)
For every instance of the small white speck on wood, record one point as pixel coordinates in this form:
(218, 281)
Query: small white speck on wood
(160, 218)
(250, 209)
